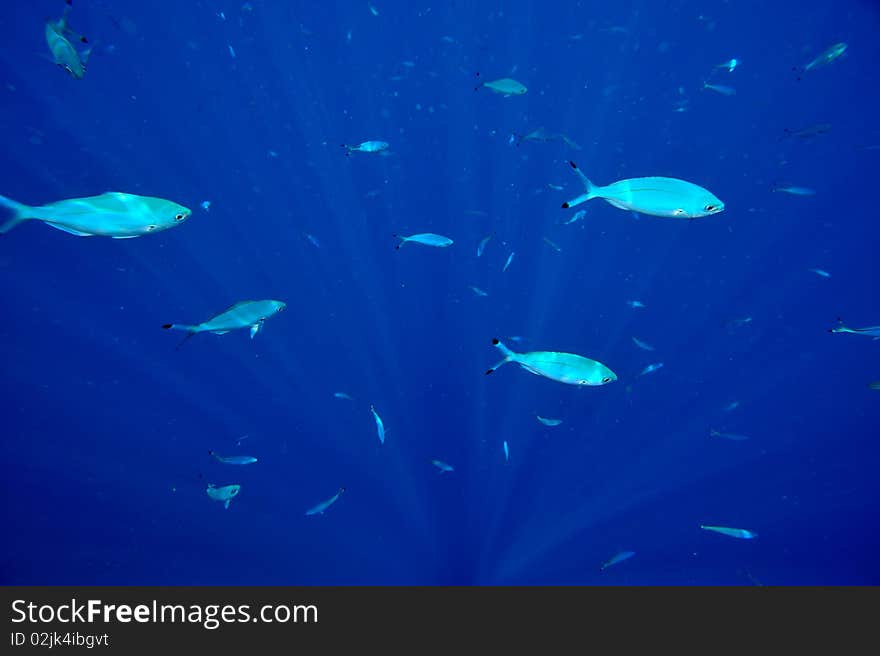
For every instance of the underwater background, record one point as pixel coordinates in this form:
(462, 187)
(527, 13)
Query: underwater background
(107, 425)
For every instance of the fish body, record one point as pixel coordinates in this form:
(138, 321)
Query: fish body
(730, 407)
(244, 314)
(506, 87)
(871, 331)
(318, 509)
(367, 147)
(796, 191)
(478, 291)
(874, 385)
(827, 56)
(642, 345)
(380, 427)
(728, 436)
(507, 263)
(113, 214)
(312, 239)
(506, 451)
(342, 395)
(565, 368)
(442, 466)
(741, 533)
(720, 88)
(617, 558)
(811, 131)
(64, 54)
(667, 197)
(224, 494)
(730, 65)
(651, 368)
(233, 460)
(635, 304)
(425, 238)
(548, 422)
(205, 205)
(482, 245)
(821, 272)
(577, 216)
(552, 245)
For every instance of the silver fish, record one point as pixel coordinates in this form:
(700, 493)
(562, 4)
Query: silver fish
(380, 427)
(742, 533)
(225, 494)
(425, 238)
(642, 345)
(720, 88)
(728, 436)
(549, 422)
(562, 367)
(507, 263)
(318, 509)
(367, 147)
(442, 466)
(245, 314)
(617, 558)
(58, 35)
(482, 245)
(478, 291)
(871, 331)
(650, 368)
(796, 191)
(234, 460)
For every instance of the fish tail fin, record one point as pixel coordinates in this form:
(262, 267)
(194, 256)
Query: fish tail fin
(591, 189)
(191, 330)
(20, 212)
(508, 355)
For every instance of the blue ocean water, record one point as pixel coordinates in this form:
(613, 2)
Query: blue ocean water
(107, 426)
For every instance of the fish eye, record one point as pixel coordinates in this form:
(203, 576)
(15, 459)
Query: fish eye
(606, 379)
(178, 217)
(710, 208)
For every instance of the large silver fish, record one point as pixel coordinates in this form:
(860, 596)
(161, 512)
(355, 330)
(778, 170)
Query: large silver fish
(871, 331)
(669, 197)
(562, 367)
(245, 314)
(113, 214)
(63, 52)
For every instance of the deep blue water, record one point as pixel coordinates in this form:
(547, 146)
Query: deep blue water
(106, 426)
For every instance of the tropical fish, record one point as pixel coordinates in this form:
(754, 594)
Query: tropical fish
(577, 216)
(244, 314)
(234, 460)
(796, 191)
(617, 558)
(728, 436)
(821, 272)
(63, 52)
(478, 291)
(442, 466)
(668, 197)
(482, 245)
(642, 345)
(505, 86)
(507, 263)
(426, 238)
(827, 56)
(366, 147)
(319, 508)
(548, 422)
(720, 88)
(741, 533)
(506, 451)
(113, 214)
(225, 494)
(342, 395)
(635, 304)
(871, 331)
(562, 367)
(380, 427)
(650, 368)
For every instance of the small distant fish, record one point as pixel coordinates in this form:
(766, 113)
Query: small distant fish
(319, 509)
(555, 187)
(730, 407)
(720, 88)
(635, 304)
(650, 368)
(64, 54)
(380, 427)
(875, 385)
(821, 272)
(730, 65)
(232, 52)
(548, 422)
(442, 466)
(205, 205)
(241, 439)
(728, 436)
(505, 86)
(516, 338)
(482, 245)
(367, 147)
(741, 533)
(736, 323)
(234, 460)
(811, 131)
(425, 238)
(617, 558)
(642, 345)
(342, 395)
(567, 368)
(478, 291)
(542, 135)
(476, 213)
(225, 494)
(314, 240)
(507, 263)
(552, 245)
(373, 10)
(827, 56)
(577, 216)
(506, 451)
(796, 191)
(871, 331)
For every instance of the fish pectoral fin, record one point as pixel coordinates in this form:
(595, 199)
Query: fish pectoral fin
(78, 233)
(256, 328)
(219, 332)
(226, 505)
(125, 236)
